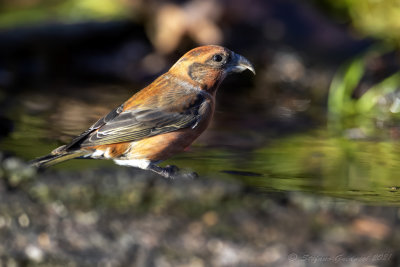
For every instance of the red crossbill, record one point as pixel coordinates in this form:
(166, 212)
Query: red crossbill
(162, 119)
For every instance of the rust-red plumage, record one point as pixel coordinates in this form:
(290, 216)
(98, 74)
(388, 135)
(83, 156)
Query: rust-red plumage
(160, 120)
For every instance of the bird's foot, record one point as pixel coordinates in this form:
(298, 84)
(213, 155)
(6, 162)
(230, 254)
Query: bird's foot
(172, 172)
(171, 169)
(175, 173)
(188, 175)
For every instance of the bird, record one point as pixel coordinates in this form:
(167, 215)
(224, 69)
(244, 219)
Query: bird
(162, 119)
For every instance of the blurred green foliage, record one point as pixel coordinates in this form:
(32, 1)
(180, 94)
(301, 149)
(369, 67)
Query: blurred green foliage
(378, 102)
(20, 13)
(377, 19)
(371, 18)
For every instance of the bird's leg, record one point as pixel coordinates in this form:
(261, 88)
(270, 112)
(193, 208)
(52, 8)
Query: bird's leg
(168, 172)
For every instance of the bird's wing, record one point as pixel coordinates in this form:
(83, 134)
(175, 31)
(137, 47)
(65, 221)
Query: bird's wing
(135, 124)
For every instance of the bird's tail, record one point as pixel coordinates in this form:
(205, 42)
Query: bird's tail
(57, 156)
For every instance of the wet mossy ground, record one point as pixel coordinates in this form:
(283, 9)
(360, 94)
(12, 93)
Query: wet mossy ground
(128, 217)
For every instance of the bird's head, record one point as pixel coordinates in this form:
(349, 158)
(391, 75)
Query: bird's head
(207, 66)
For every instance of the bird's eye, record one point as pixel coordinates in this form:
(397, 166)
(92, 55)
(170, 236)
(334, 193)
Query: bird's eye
(217, 58)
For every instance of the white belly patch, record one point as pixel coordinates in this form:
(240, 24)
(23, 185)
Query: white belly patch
(97, 154)
(138, 163)
(105, 154)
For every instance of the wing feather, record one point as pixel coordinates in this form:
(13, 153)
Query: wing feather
(76, 142)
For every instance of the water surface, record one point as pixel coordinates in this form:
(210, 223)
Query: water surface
(314, 160)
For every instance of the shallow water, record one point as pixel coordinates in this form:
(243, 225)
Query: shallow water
(312, 160)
